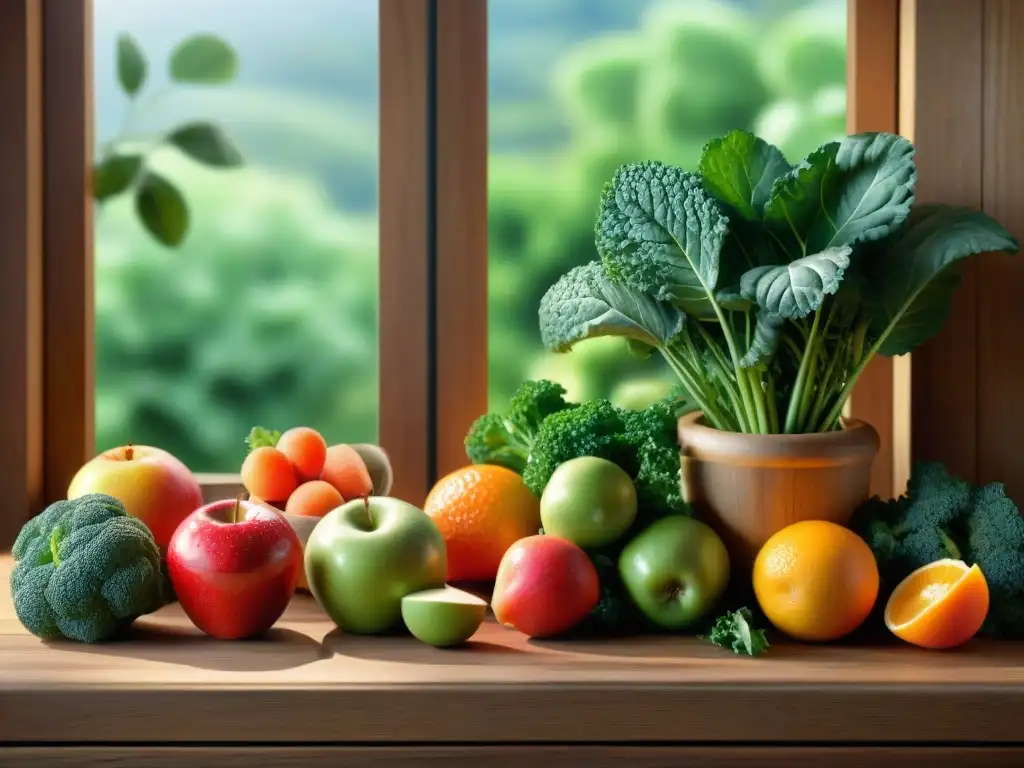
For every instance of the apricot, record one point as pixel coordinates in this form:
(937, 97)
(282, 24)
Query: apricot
(306, 449)
(346, 471)
(314, 498)
(268, 474)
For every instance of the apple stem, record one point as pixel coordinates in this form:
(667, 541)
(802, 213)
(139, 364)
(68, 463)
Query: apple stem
(366, 504)
(129, 452)
(238, 505)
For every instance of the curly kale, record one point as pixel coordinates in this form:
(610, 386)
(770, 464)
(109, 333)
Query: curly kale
(506, 439)
(944, 517)
(84, 570)
(652, 432)
(735, 631)
(595, 428)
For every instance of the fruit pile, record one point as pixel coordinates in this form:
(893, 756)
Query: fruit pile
(297, 471)
(576, 526)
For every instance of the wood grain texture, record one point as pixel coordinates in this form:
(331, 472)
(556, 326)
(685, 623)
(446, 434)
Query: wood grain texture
(511, 757)
(68, 244)
(404, 254)
(941, 112)
(461, 189)
(871, 88)
(21, 264)
(1000, 277)
(307, 683)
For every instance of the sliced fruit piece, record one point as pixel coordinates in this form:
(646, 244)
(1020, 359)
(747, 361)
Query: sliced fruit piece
(314, 499)
(345, 469)
(940, 605)
(443, 617)
(306, 449)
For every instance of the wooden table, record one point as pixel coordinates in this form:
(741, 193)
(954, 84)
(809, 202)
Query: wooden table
(310, 695)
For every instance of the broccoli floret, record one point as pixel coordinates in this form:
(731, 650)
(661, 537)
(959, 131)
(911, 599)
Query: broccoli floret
(84, 570)
(652, 432)
(918, 528)
(735, 631)
(595, 428)
(944, 517)
(506, 439)
(995, 541)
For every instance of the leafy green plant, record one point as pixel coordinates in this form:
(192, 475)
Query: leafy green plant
(123, 167)
(769, 287)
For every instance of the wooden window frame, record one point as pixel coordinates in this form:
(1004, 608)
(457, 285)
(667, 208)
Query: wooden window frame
(433, 241)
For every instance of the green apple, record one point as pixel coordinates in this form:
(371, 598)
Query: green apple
(675, 571)
(365, 556)
(443, 617)
(589, 501)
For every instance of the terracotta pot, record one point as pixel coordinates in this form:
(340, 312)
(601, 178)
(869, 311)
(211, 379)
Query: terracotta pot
(748, 487)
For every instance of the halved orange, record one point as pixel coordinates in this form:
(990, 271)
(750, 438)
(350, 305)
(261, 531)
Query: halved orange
(940, 605)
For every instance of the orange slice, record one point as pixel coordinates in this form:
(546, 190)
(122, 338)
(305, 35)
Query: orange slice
(940, 605)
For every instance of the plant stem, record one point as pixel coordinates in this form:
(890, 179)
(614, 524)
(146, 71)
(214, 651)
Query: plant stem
(812, 374)
(797, 396)
(755, 385)
(824, 390)
(731, 386)
(692, 387)
(844, 395)
(742, 382)
(773, 410)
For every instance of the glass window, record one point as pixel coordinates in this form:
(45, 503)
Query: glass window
(265, 312)
(578, 87)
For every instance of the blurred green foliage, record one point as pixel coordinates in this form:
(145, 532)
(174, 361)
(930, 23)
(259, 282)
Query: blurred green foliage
(266, 312)
(687, 72)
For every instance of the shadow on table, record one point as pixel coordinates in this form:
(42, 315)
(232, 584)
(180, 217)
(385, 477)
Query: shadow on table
(277, 648)
(400, 646)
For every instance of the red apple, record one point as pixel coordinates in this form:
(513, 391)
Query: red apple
(234, 566)
(545, 586)
(152, 484)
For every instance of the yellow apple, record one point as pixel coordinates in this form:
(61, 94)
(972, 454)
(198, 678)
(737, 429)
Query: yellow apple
(152, 484)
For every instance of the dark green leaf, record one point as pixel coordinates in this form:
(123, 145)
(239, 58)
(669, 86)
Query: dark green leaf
(853, 191)
(796, 289)
(162, 209)
(660, 232)
(730, 298)
(206, 143)
(918, 271)
(131, 64)
(739, 170)
(114, 175)
(586, 303)
(767, 333)
(205, 59)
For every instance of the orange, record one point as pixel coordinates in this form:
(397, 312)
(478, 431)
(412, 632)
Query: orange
(939, 605)
(482, 510)
(816, 580)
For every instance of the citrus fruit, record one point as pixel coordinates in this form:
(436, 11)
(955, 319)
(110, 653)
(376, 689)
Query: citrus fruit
(939, 605)
(481, 510)
(816, 580)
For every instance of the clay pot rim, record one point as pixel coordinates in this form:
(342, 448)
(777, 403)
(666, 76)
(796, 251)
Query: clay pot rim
(857, 442)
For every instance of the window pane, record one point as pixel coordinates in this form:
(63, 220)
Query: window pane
(266, 313)
(579, 87)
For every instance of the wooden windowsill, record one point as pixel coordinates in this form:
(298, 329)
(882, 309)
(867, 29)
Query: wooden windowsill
(309, 684)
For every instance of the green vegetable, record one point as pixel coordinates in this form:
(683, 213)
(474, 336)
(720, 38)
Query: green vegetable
(540, 431)
(84, 570)
(734, 630)
(506, 439)
(939, 517)
(768, 287)
(261, 437)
